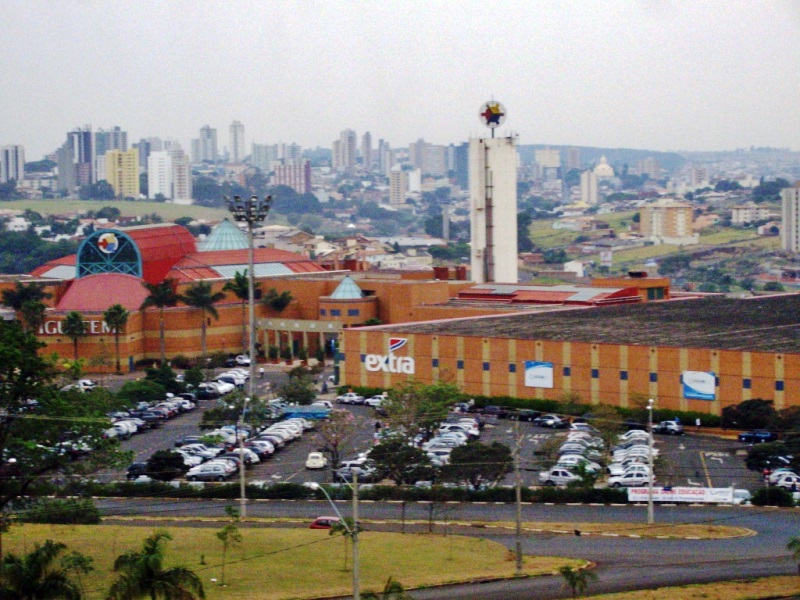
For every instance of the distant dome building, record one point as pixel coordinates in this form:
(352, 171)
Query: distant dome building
(603, 170)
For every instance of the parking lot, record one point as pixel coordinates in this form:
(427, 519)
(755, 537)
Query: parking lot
(687, 460)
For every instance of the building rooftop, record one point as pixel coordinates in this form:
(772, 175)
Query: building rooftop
(759, 324)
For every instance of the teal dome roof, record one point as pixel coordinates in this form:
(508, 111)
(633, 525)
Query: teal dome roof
(225, 236)
(347, 290)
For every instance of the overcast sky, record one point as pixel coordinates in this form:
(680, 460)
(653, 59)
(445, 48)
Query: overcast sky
(661, 75)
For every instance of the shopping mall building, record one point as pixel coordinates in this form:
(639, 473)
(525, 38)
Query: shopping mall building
(610, 342)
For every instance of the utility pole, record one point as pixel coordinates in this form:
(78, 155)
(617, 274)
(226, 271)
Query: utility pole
(518, 490)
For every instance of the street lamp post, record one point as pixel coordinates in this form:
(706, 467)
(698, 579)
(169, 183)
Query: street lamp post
(650, 519)
(251, 211)
(353, 533)
(240, 439)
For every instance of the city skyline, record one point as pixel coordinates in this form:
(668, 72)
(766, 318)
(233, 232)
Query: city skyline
(650, 75)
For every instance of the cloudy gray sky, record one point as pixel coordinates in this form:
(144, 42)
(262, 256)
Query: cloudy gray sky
(654, 74)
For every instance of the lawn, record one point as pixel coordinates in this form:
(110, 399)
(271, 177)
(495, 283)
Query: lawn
(749, 589)
(274, 564)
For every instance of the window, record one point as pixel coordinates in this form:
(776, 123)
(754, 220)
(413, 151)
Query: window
(595, 373)
(460, 365)
(435, 362)
(486, 366)
(623, 376)
(512, 368)
(746, 383)
(363, 357)
(353, 312)
(567, 371)
(653, 377)
(335, 312)
(323, 312)
(779, 386)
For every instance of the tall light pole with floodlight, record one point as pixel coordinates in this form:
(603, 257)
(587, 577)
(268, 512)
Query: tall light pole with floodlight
(353, 533)
(650, 518)
(252, 211)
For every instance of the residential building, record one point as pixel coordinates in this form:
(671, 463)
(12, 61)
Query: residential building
(790, 210)
(76, 160)
(263, 156)
(113, 139)
(344, 151)
(366, 150)
(204, 148)
(493, 209)
(573, 158)
(461, 165)
(668, 221)
(12, 163)
(398, 186)
(122, 172)
(181, 174)
(749, 213)
(589, 194)
(236, 142)
(159, 175)
(295, 173)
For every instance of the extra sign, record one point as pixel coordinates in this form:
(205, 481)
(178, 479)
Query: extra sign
(390, 363)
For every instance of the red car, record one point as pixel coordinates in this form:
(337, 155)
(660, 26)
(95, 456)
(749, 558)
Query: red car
(324, 522)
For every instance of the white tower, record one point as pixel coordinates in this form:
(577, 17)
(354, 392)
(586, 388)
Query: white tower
(493, 202)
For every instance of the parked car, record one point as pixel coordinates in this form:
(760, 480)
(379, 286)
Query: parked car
(668, 427)
(757, 436)
(572, 460)
(135, 470)
(524, 414)
(552, 421)
(323, 403)
(789, 481)
(210, 471)
(316, 460)
(350, 398)
(324, 522)
(635, 478)
(376, 400)
(494, 411)
(558, 476)
(243, 360)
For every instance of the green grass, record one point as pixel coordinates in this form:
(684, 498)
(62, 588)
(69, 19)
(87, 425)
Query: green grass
(750, 589)
(275, 564)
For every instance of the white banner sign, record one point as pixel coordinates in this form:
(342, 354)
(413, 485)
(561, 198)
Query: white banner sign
(538, 374)
(683, 494)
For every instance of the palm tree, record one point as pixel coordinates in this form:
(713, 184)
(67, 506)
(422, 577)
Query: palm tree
(162, 295)
(36, 577)
(794, 546)
(23, 293)
(116, 317)
(240, 286)
(577, 579)
(142, 575)
(74, 328)
(276, 301)
(201, 296)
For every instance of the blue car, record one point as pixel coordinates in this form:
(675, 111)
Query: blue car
(759, 436)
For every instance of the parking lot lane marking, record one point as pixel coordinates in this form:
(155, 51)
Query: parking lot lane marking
(705, 469)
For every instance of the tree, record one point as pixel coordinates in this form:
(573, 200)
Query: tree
(142, 575)
(298, 390)
(774, 286)
(33, 312)
(74, 328)
(336, 435)
(200, 296)
(397, 460)
(161, 295)
(794, 547)
(577, 580)
(133, 392)
(277, 301)
(750, 414)
(524, 243)
(193, 377)
(479, 464)
(22, 293)
(344, 528)
(163, 375)
(165, 465)
(116, 317)
(240, 286)
(35, 576)
(416, 408)
(230, 536)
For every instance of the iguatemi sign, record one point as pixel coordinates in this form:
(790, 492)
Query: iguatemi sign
(391, 363)
(92, 328)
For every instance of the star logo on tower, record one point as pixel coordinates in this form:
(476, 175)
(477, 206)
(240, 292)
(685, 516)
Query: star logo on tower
(492, 114)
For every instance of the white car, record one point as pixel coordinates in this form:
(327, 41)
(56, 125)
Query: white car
(635, 478)
(316, 460)
(323, 403)
(558, 476)
(573, 460)
(618, 468)
(243, 360)
(788, 481)
(633, 434)
(376, 400)
(350, 398)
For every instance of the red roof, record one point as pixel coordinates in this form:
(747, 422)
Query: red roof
(69, 261)
(98, 292)
(239, 257)
(161, 246)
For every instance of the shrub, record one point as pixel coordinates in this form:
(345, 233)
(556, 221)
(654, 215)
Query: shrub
(71, 511)
(772, 496)
(183, 362)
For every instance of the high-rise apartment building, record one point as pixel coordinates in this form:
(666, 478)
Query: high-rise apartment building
(344, 151)
(113, 139)
(418, 155)
(384, 158)
(159, 174)
(12, 163)
(294, 173)
(398, 186)
(122, 172)
(237, 142)
(573, 158)
(648, 166)
(589, 193)
(366, 151)
(461, 165)
(181, 174)
(790, 211)
(76, 160)
(263, 156)
(204, 148)
(435, 160)
(493, 209)
(292, 152)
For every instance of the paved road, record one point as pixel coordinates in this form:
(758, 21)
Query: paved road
(622, 563)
